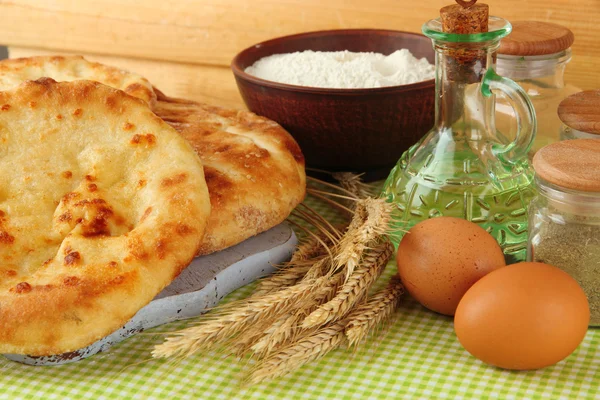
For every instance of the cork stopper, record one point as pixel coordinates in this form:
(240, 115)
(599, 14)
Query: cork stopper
(571, 164)
(536, 38)
(580, 111)
(465, 17)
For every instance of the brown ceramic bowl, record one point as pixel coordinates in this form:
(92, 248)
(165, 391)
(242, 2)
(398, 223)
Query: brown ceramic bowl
(363, 130)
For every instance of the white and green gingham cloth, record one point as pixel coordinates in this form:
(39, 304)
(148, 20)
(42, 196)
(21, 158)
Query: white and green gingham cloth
(416, 357)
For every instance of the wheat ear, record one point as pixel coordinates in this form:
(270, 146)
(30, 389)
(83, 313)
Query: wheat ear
(188, 341)
(305, 350)
(320, 268)
(354, 184)
(268, 335)
(370, 221)
(282, 331)
(355, 288)
(284, 278)
(379, 308)
(289, 329)
(307, 253)
(309, 249)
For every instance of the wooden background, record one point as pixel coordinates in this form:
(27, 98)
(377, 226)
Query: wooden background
(185, 46)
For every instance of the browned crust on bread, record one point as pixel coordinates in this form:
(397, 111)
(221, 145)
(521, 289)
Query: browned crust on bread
(69, 68)
(254, 169)
(90, 247)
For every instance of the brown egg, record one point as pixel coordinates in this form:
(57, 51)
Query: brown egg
(439, 259)
(523, 316)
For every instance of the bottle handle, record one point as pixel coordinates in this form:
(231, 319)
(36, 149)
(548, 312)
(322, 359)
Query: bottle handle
(524, 112)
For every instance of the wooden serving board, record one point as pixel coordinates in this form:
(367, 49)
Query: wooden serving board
(199, 287)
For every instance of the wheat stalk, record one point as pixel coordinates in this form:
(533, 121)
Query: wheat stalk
(307, 255)
(328, 225)
(281, 279)
(379, 308)
(320, 268)
(370, 221)
(312, 247)
(332, 186)
(301, 262)
(241, 345)
(309, 306)
(282, 331)
(355, 288)
(354, 184)
(303, 351)
(325, 229)
(290, 327)
(188, 341)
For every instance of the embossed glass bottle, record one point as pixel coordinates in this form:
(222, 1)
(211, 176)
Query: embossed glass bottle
(464, 167)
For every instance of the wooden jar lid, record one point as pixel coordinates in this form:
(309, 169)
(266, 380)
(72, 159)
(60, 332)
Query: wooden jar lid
(572, 164)
(581, 111)
(535, 38)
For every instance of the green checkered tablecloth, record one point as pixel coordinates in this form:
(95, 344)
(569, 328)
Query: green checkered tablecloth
(416, 357)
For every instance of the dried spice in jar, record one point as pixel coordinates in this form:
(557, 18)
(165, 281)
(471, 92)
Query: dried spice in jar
(564, 219)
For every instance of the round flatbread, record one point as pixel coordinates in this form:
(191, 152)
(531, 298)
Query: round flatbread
(15, 71)
(102, 204)
(254, 168)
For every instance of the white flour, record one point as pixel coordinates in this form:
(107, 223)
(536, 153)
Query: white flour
(343, 69)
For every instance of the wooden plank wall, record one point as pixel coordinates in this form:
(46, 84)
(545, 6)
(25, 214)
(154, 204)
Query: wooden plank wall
(185, 46)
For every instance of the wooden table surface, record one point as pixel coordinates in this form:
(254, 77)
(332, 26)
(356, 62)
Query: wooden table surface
(185, 46)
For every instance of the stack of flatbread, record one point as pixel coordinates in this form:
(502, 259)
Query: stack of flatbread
(109, 188)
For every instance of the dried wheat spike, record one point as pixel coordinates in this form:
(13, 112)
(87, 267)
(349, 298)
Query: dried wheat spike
(379, 308)
(283, 332)
(313, 247)
(241, 344)
(305, 256)
(309, 249)
(355, 288)
(187, 341)
(305, 350)
(370, 221)
(354, 184)
(281, 279)
(320, 268)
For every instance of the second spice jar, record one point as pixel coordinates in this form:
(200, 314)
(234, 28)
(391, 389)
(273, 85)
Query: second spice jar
(564, 218)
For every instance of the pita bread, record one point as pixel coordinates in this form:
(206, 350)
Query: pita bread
(15, 71)
(254, 168)
(102, 204)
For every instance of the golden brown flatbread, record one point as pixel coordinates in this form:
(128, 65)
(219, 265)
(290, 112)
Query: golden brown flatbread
(102, 204)
(254, 168)
(15, 71)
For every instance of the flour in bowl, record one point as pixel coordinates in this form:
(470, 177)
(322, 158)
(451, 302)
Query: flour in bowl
(343, 69)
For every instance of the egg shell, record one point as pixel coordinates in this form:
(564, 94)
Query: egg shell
(523, 316)
(439, 259)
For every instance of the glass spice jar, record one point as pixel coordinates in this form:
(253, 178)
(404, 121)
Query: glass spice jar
(580, 116)
(564, 218)
(535, 56)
